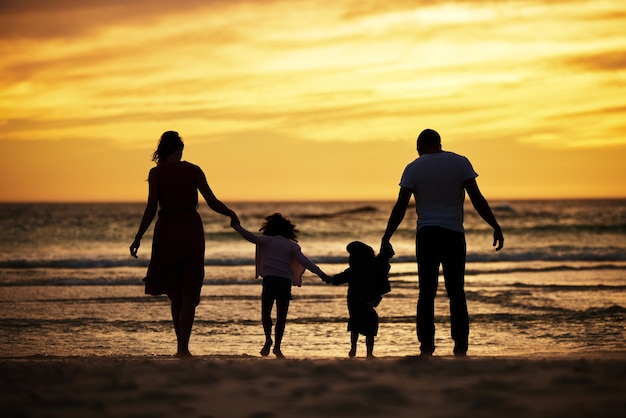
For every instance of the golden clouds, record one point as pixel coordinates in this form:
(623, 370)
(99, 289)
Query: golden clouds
(545, 75)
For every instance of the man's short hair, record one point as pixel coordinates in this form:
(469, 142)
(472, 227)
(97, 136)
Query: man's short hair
(429, 137)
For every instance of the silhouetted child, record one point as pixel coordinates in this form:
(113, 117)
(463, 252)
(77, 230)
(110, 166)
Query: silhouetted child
(279, 260)
(368, 280)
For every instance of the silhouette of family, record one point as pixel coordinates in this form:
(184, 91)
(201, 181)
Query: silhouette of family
(438, 181)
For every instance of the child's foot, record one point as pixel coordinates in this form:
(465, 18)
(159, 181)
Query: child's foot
(265, 351)
(279, 354)
(352, 352)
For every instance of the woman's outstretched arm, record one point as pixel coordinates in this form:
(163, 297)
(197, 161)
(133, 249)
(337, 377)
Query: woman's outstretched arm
(214, 203)
(249, 236)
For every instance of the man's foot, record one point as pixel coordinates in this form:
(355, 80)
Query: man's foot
(265, 351)
(352, 352)
(460, 350)
(426, 352)
(183, 354)
(371, 357)
(279, 354)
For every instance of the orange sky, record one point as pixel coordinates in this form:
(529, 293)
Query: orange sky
(289, 100)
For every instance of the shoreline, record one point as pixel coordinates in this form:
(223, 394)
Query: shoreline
(249, 386)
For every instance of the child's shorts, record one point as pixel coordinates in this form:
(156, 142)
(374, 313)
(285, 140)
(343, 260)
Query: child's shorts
(363, 320)
(276, 288)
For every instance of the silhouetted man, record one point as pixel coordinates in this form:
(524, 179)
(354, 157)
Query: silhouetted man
(438, 179)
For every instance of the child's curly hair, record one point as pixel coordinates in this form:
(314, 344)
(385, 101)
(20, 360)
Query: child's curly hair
(277, 224)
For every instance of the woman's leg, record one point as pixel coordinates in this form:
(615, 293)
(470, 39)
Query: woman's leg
(183, 313)
(187, 315)
(266, 318)
(282, 308)
(176, 304)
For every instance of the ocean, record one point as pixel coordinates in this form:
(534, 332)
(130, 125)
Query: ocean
(68, 286)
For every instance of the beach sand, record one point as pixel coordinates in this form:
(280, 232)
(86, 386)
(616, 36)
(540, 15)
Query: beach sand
(256, 387)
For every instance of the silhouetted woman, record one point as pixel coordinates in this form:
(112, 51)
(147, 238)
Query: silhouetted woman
(177, 263)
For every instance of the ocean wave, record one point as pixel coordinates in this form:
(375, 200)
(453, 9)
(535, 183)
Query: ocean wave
(560, 253)
(559, 287)
(345, 212)
(549, 256)
(66, 273)
(613, 315)
(555, 229)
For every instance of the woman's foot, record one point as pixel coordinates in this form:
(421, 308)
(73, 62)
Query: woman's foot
(279, 354)
(352, 352)
(265, 351)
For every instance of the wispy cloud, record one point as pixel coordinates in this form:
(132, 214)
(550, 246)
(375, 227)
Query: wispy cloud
(546, 73)
(157, 55)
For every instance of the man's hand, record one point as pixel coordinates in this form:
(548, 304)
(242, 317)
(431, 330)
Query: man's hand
(498, 239)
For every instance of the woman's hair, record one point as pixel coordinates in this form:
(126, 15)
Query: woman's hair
(276, 224)
(169, 142)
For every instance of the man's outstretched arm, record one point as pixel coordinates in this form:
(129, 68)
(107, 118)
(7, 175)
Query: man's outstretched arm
(397, 215)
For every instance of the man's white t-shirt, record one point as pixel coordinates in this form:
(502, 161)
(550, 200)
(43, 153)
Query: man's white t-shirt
(437, 183)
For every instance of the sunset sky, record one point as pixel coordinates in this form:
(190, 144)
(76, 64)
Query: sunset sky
(314, 100)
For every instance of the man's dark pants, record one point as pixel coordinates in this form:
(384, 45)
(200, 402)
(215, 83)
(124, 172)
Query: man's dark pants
(434, 246)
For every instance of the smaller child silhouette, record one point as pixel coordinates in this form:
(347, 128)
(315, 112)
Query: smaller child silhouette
(368, 280)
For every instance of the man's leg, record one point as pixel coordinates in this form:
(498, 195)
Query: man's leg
(454, 275)
(428, 272)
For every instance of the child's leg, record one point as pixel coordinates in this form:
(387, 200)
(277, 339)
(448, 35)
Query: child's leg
(369, 343)
(282, 308)
(354, 338)
(266, 317)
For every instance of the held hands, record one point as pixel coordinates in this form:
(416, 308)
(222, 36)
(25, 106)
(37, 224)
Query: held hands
(386, 248)
(234, 220)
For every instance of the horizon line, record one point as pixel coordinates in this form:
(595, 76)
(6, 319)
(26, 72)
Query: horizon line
(364, 200)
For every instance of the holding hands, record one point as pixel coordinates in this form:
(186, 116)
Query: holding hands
(234, 220)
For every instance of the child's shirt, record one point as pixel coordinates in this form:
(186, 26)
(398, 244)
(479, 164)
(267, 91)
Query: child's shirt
(279, 256)
(366, 283)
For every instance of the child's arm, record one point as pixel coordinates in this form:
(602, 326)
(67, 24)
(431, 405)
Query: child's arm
(244, 232)
(340, 278)
(311, 266)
